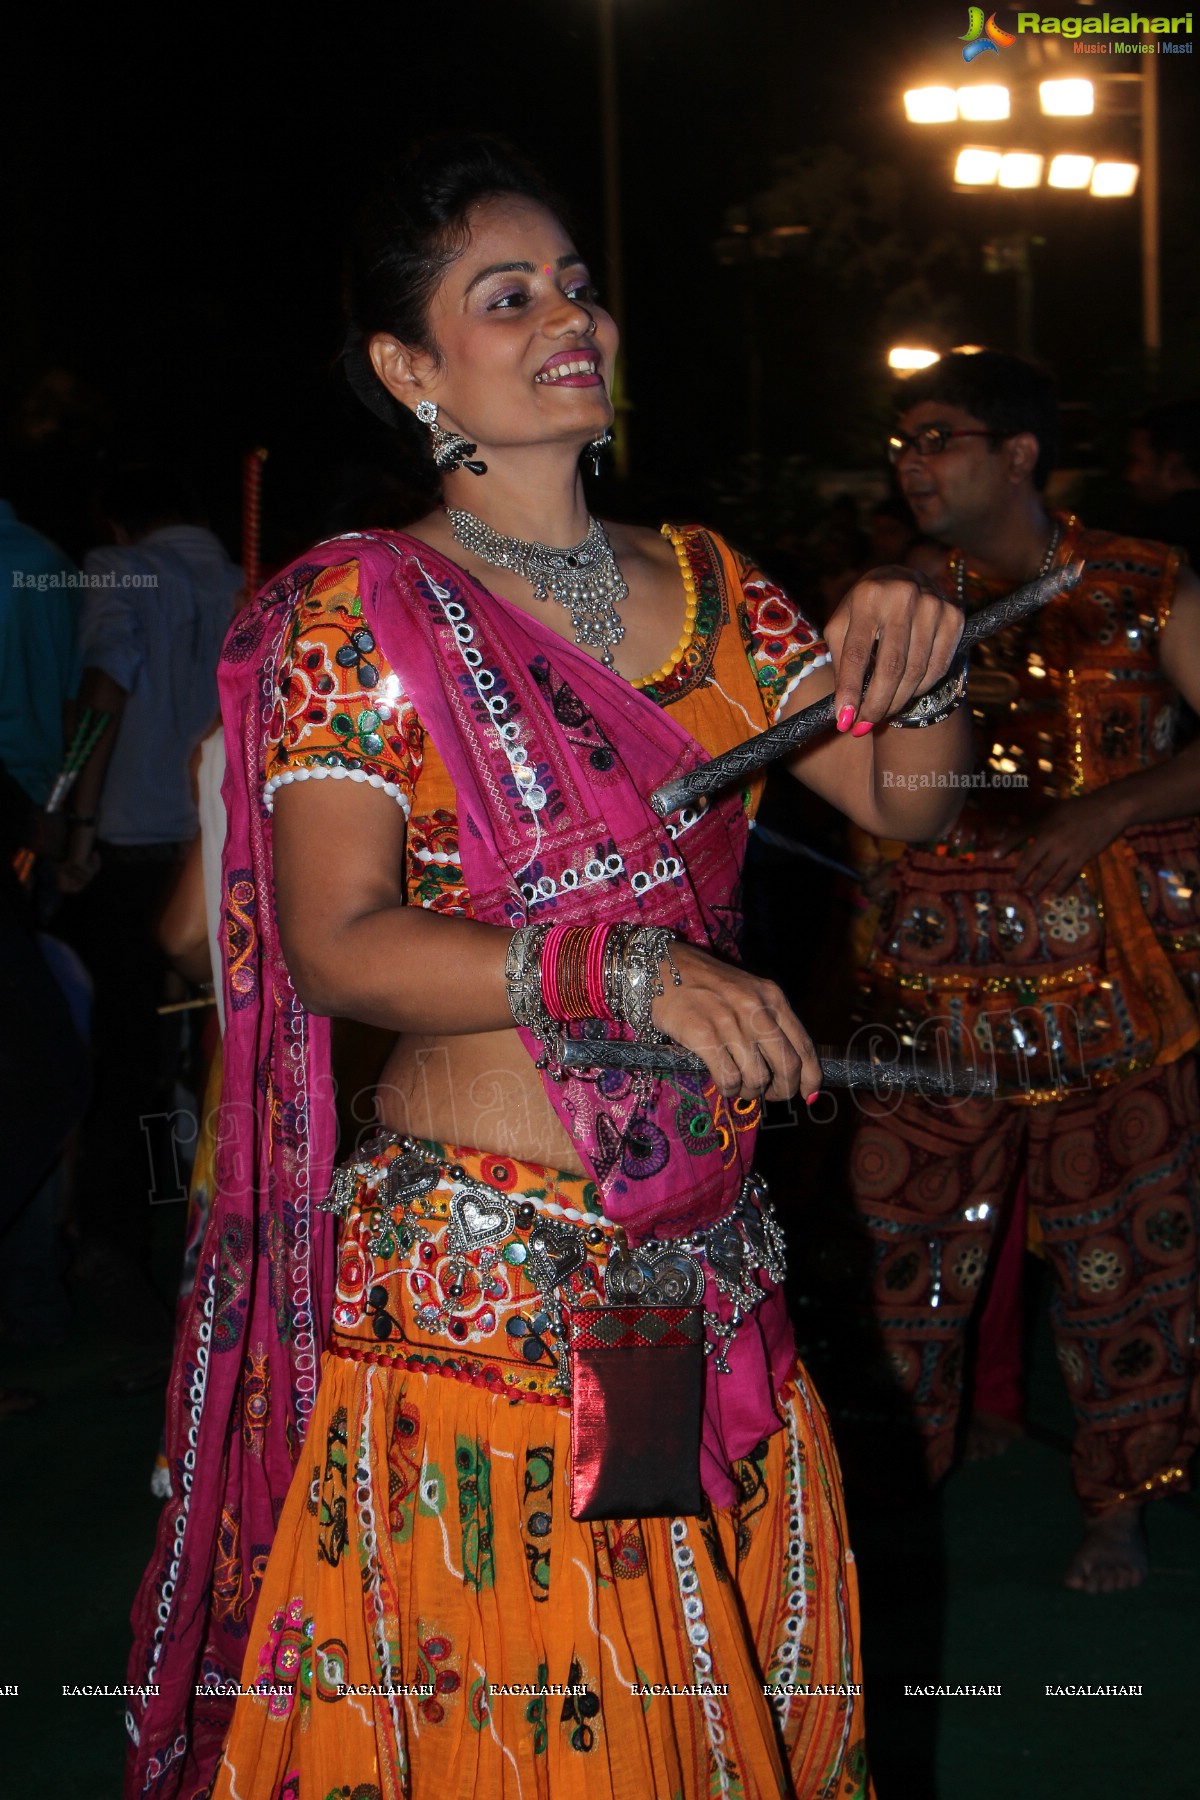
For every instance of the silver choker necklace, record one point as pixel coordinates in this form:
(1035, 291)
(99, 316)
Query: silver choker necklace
(585, 579)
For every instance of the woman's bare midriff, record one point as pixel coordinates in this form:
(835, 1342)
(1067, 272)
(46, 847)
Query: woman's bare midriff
(479, 1091)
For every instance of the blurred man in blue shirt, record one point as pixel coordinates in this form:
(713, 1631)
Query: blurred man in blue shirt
(156, 607)
(39, 663)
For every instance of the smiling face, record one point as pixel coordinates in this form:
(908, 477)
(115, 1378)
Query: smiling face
(969, 480)
(517, 360)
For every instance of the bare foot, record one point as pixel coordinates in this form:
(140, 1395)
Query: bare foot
(1112, 1555)
(990, 1434)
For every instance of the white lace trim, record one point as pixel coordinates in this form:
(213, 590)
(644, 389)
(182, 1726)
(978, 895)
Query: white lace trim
(339, 773)
(687, 1578)
(783, 1671)
(818, 662)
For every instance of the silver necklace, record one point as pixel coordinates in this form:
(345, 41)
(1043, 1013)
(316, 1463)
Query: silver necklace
(960, 567)
(585, 579)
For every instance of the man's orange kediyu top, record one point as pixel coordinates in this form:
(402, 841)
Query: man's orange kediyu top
(1091, 986)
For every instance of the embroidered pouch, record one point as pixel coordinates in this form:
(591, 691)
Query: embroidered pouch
(637, 1400)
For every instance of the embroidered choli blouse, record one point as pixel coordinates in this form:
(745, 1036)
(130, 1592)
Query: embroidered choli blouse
(341, 710)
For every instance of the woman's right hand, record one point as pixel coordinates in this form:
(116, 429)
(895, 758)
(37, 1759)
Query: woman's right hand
(752, 1043)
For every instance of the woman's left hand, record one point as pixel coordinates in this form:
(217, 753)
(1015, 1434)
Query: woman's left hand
(914, 633)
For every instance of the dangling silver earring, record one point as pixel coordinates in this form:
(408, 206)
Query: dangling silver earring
(450, 449)
(596, 449)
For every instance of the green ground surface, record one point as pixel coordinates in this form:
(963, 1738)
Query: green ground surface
(966, 1591)
(990, 1564)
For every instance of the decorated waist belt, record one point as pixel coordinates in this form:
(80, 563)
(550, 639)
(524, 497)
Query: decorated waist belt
(546, 1299)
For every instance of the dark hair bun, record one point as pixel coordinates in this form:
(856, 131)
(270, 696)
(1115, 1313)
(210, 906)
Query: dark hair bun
(408, 235)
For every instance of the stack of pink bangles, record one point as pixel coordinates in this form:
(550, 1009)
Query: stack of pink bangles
(555, 973)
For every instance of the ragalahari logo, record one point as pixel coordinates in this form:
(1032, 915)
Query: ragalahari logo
(980, 35)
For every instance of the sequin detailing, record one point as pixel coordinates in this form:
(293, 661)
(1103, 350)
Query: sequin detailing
(1060, 991)
(341, 713)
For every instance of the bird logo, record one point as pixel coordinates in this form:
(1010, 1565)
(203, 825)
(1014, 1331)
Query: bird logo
(982, 35)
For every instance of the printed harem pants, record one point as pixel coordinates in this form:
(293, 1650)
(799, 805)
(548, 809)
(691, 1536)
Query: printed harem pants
(1113, 1181)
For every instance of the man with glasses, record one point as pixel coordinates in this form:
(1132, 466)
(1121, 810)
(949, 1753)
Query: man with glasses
(1055, 936)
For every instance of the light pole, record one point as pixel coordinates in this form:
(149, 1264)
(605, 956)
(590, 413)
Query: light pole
(610, 139)
(1151, 294)
(741, 246)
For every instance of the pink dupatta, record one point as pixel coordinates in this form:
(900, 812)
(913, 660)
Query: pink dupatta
(552, 757)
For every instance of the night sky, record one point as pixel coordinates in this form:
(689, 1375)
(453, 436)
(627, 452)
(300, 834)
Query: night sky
(179, 185)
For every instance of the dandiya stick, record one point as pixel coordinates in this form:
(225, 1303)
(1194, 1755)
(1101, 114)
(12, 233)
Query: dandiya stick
(780, 740)
(252, 472)
(838, 1070)
(89, 733)
(90, 730)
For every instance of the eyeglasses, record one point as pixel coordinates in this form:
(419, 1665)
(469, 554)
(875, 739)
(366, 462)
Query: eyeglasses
(931, 440)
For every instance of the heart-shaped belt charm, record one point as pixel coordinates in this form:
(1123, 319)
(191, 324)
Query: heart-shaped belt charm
(410, 1177)
(555, 1252)
(652, 1275)
(477, 1218)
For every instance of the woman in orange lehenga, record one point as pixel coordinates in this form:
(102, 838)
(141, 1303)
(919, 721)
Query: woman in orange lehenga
(431, 1620)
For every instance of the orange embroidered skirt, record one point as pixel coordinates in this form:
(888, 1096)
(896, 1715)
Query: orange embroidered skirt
(434, 1625)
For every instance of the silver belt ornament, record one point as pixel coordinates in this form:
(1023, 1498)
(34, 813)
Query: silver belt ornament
(671, 1271)
(659, 1272)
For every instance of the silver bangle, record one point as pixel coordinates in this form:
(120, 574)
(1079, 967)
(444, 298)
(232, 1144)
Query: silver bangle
(939, 702)
(631, 977)
(645, 948)
(523, 980)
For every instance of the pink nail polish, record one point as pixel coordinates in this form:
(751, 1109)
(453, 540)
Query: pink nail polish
(814, 1096)
(844, 718)
(862, 728)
